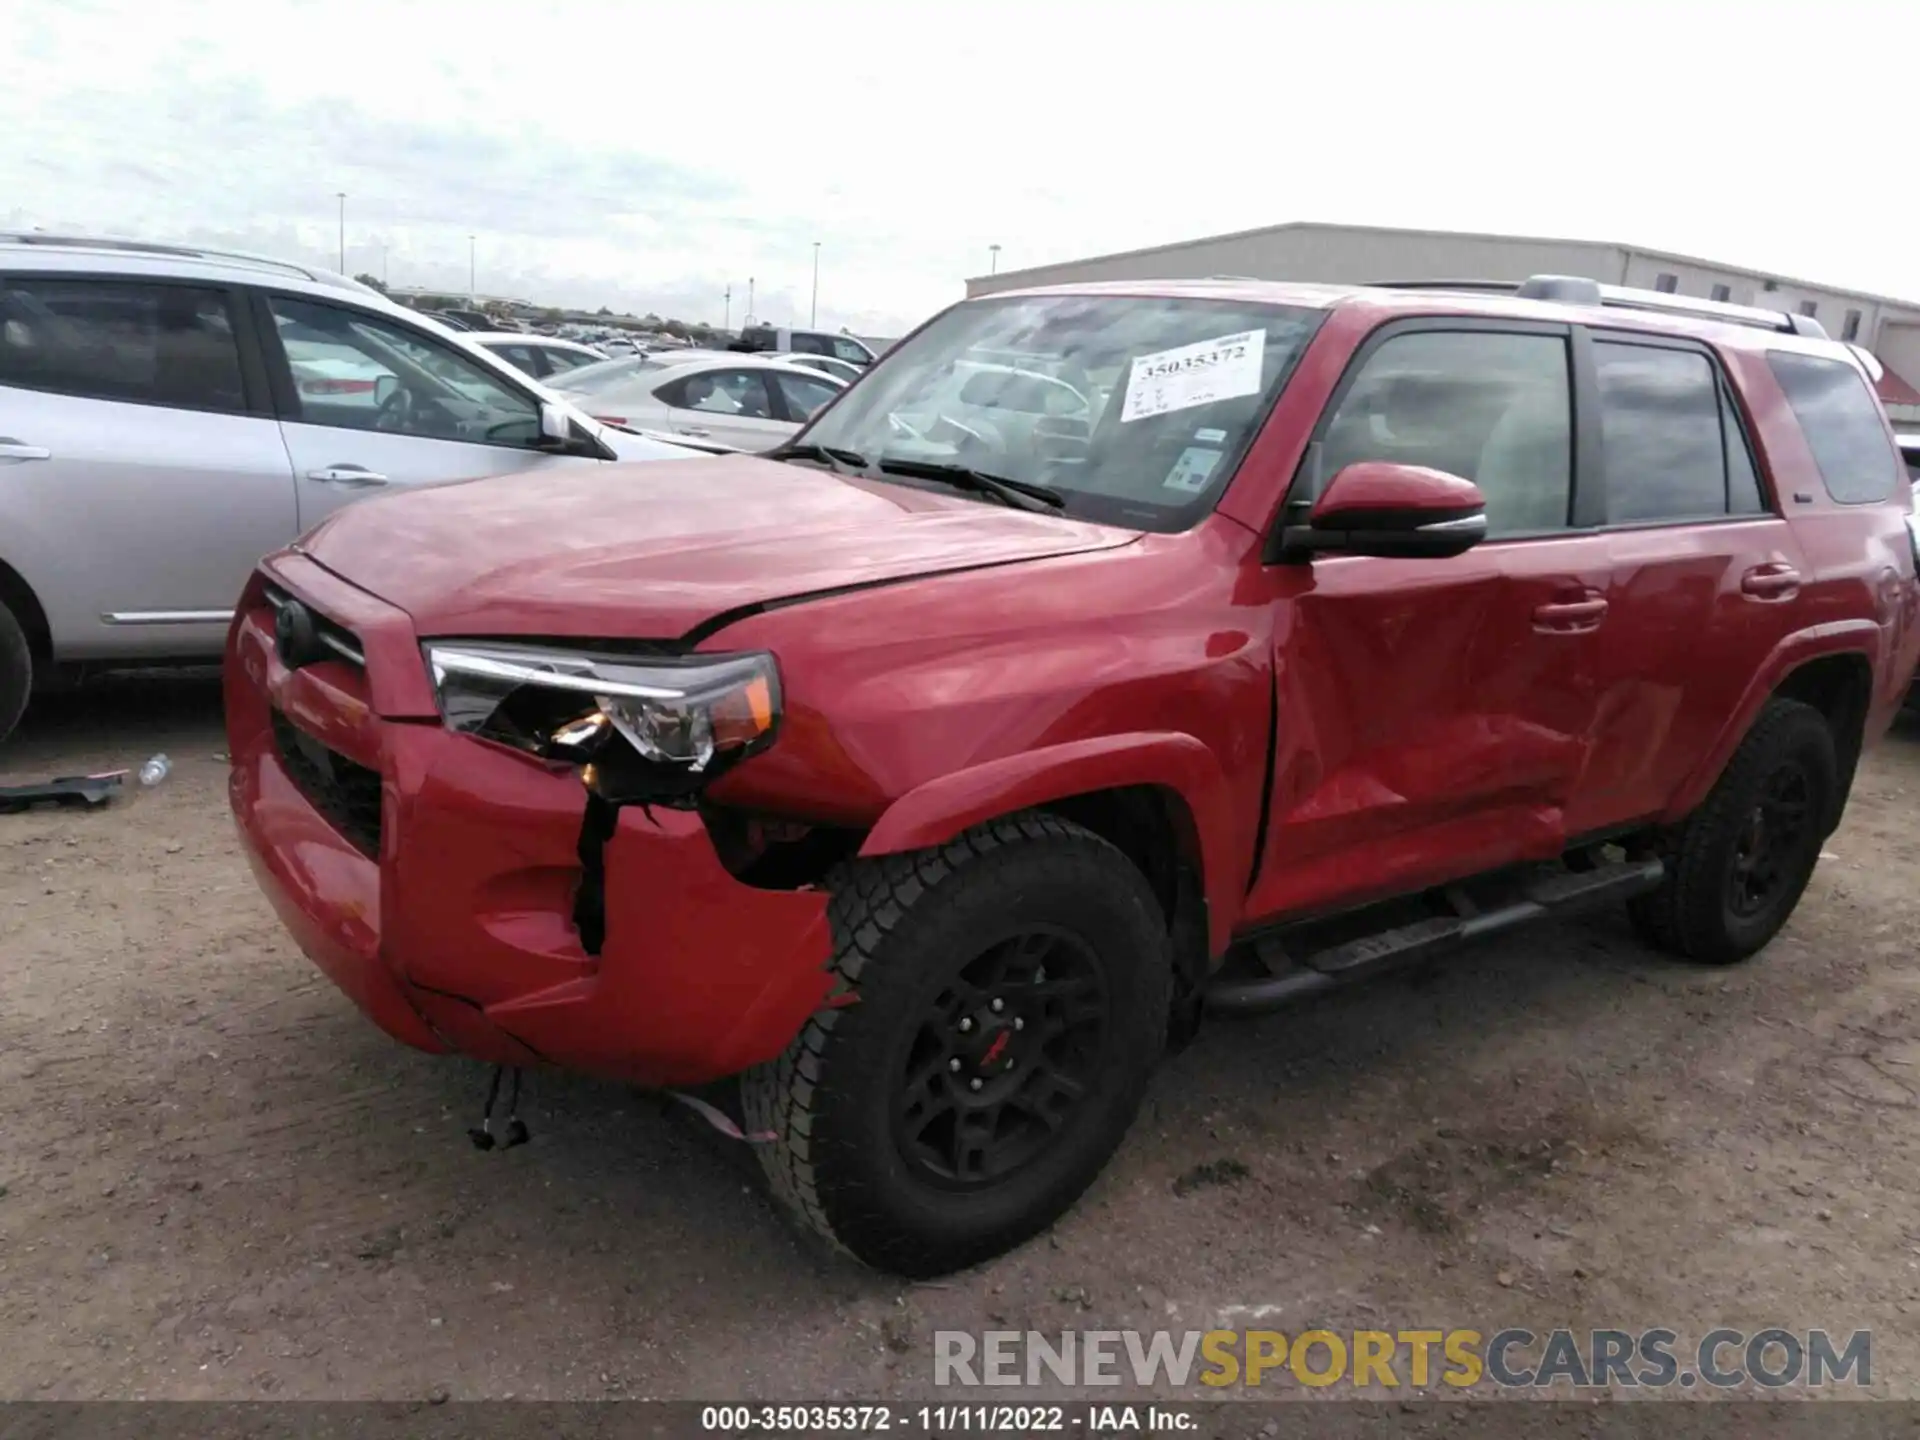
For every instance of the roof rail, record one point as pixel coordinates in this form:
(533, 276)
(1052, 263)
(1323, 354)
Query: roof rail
(1579, 290)
(1509, 286)
(180, 252)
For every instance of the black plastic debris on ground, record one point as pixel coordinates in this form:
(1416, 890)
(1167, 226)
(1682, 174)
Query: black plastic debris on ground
(85, 791)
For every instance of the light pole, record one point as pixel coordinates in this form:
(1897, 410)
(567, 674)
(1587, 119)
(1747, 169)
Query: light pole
(726, 298)
(472, 287)
(993, 261)
(341, 195)
(747, 319)
(813, 309)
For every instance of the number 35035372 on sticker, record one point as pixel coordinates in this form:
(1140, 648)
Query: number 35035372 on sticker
(1189, 375)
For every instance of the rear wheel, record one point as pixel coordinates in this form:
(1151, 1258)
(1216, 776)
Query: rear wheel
(16, 672)
(1012, 999)
(1738, 865)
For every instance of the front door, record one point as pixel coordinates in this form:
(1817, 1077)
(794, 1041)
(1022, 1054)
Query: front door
(370, 402)
(141, 471)
(1436, 717)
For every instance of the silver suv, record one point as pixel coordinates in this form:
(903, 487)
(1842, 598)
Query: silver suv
(169, 415)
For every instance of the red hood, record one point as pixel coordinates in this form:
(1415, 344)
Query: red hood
(649, 551)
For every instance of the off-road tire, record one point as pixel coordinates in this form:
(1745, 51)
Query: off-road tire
(900, 923)
(16, 672)
(1690, 915)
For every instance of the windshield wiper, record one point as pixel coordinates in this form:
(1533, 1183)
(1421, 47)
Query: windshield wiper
(1020, 494)
(840, 461)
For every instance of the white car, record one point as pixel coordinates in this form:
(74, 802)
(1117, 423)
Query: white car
(539, 357)
(737, 400)
(168, 415)
(844, 371)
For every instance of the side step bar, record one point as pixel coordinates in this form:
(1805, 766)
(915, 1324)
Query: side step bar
(1556, 893)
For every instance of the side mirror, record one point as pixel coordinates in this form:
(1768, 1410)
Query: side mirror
(384, 389)
(555, 426)
(1395, 512)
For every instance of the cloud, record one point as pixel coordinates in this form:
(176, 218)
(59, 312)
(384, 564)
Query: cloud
(653, 156)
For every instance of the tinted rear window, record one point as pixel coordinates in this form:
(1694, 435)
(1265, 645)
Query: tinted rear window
(1843, 425)
(157, 344)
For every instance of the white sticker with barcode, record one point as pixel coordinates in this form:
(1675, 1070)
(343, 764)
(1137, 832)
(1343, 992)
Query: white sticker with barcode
(1221, 369)
(1192, 470)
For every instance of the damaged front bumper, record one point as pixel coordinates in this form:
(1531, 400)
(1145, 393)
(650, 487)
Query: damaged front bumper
(438, 880)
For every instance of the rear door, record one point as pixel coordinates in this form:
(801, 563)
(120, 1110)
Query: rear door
(1435, 717)
(141, 470)
(433, 413)
(1706, 571)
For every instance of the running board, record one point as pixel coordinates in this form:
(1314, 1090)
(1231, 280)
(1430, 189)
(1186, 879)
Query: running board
(1556, 893)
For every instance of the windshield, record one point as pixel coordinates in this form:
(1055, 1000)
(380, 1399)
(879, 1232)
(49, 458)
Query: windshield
(1136, 409)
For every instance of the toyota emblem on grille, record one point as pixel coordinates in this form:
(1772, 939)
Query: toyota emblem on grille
(295, 635)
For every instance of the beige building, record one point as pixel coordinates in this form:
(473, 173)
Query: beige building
(1354, 254)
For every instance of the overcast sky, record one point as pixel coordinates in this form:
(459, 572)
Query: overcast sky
(650, 154)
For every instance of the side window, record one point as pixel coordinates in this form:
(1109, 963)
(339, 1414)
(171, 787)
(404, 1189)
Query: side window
(359, 371)
(155, 344)
(523, 358)
(847, 350)
(1661, 432)
(1841, 420)
(559, 361)
(1489, 407)
(806, 342)
(722, 392)
(803, 394)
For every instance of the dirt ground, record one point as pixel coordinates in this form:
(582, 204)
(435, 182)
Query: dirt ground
(217, 1180)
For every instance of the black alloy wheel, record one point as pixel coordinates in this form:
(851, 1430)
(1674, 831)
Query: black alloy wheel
(1003, 1059)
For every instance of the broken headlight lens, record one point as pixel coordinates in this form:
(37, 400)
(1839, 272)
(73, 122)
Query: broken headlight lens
(641, 726)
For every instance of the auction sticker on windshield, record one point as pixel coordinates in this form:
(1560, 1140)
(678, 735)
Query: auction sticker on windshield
(1221, 369)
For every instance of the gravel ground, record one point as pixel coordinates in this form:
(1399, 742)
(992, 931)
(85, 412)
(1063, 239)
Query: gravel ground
(217, 1181)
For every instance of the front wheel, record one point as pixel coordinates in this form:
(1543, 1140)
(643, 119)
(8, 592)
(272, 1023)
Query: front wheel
(1738, 864)
(16, 672)
(1012, 999)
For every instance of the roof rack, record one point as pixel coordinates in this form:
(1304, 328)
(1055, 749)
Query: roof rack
(179, 252)
(1580, 290)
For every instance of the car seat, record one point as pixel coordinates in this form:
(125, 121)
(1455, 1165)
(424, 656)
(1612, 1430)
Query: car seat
(1525, 469)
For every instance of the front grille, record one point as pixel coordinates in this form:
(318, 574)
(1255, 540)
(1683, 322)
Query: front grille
(346, 793)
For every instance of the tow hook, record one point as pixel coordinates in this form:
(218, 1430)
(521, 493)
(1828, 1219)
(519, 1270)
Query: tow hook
(516, 1130)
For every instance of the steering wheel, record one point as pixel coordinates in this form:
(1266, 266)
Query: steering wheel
(395, 411)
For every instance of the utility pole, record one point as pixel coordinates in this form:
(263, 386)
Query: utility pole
(473, 290)
(726, 297)
(813, 309)
(993, 253)
(342, 196)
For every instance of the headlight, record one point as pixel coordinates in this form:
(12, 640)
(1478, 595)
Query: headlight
(643, 727)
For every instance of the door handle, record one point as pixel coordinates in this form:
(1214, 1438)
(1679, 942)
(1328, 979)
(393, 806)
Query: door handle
(693, 430)
(12, 449)
(1770, 582)
(1570, 617)
(354, 476)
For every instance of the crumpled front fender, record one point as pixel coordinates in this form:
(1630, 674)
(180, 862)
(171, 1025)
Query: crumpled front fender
(935, 812)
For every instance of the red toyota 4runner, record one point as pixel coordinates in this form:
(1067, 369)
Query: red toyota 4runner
(1106, 654)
